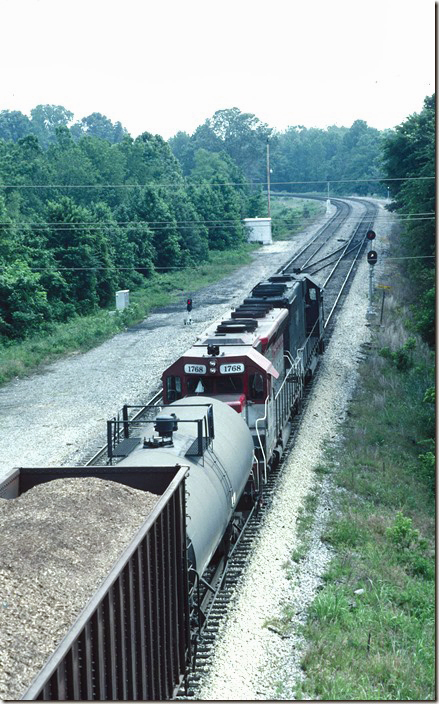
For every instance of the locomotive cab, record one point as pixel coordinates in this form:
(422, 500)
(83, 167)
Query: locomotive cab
(240, 382)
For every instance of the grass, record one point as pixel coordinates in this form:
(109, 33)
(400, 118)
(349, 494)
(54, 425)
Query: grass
(290, 215)
(371, 629)
(17, 359)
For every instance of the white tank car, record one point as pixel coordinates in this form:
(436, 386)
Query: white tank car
(219, 458)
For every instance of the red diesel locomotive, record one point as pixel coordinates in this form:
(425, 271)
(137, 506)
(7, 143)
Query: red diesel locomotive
(258, 360)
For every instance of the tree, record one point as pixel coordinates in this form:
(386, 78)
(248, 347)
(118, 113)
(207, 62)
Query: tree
(107, 166)
(241, 135)
(192, 231)
(82, 254)
(148, 207)
(23, 300)
(409, 153)
(14, 125)
(97, 125)
(71, 167)
(216, 199)
(183, 148)
(45, 119)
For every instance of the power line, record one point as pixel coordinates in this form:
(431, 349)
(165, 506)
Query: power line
(155, 268)
(200, 223)
(211, 185)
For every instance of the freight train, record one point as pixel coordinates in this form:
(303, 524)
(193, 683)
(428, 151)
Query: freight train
(227, 408)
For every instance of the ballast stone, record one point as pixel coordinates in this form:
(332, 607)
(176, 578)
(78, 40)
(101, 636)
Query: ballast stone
(58, 541)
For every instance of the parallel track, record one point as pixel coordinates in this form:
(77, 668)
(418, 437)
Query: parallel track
(336, 284)
(340, 277)
(305, 255)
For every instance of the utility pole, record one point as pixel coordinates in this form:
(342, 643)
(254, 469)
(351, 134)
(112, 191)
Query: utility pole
(268, 176)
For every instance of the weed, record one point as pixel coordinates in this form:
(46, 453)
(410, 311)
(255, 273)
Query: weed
(370, 630)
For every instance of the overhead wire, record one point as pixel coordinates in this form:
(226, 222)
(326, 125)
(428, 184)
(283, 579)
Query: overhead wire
(157, 268)
(211, 185)
(407, 217)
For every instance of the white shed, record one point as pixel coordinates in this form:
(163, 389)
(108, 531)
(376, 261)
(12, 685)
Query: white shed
(258, 230)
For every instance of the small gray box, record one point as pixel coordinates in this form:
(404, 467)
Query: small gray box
(122, 299)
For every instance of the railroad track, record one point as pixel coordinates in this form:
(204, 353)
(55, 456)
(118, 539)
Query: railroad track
(340, 276)
(236, 567)
(301, 260)
(339, 266)
(321, 239)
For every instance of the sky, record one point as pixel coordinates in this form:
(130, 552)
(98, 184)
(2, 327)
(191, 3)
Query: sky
(164, 66)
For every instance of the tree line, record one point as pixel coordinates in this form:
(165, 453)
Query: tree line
(301, 159)
(83, 217)
(409, 159)
(85, 209)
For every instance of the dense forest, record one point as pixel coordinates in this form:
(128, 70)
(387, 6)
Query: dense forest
(409, 159)
(85, 209)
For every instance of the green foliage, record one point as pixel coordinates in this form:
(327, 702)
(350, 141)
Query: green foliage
(14, 125)
(402, 357)
(370, 631)
(81, 332)
(338, 154)
(89, 210)
(401, 532)
(23, 301)
(240, 136)
(427, 468)
(97, 125)
(45, 121)
(409, 152)
(145, 205)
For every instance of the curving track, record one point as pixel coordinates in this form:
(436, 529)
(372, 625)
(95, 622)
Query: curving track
(339, 266)
(312, 258)
(343, 264)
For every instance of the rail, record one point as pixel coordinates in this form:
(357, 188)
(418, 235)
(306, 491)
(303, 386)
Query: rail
(335, 221)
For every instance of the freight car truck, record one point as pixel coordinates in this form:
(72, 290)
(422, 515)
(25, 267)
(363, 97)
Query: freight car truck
(132, 639)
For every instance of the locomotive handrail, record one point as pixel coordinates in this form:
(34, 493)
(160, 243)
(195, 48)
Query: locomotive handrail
(260, 420)
(305, 350)
(285, 393)
(297, 367)
(115, 434)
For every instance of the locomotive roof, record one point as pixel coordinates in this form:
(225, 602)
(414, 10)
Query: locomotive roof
(252, 355)
(265, 329)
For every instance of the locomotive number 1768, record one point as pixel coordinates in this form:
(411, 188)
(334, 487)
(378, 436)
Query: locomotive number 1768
(195, 369)
(236, 368)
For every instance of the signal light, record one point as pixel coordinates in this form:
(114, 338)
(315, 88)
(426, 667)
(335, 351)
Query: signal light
(189, 304)
(370, 235)
(372, 257)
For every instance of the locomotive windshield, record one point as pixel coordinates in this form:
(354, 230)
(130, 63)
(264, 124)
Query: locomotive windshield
(215, 385)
